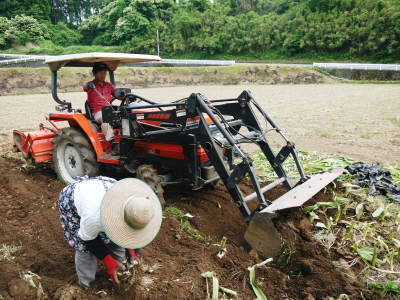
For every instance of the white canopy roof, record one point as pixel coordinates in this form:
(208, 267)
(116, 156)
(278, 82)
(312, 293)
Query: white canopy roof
(113, 60)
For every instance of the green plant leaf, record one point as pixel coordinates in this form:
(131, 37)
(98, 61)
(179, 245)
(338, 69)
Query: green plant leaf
(359, 210)
(313, 216)
(366, 253)
(378, 212)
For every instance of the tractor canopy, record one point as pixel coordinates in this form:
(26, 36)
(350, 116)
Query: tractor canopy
(112, 60)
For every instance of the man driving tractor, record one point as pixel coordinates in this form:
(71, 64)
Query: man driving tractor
(99, 94)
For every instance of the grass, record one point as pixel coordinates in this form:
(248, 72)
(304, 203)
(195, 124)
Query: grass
(7, 252)
(325, 134)
(389, 289)
(311, 162)
(365, 136)
(185, 225)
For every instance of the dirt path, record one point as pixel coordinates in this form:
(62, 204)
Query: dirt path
(361, 121)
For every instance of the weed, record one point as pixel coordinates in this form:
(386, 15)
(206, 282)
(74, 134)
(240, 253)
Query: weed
(7, 252)
(286, 254)
(365, 135)
(34, 281)
(185, 225)
(325, 134)
(365, 227)
(389, 289)
(312, 164)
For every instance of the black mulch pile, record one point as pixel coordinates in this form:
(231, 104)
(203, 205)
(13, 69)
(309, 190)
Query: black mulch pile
(377, 180)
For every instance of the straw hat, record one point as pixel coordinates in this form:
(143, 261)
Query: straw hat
(131, 213)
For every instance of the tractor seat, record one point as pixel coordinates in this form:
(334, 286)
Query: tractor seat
(88, 112)
(89, 115)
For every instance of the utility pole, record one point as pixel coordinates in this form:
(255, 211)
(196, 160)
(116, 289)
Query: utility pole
(158, 43)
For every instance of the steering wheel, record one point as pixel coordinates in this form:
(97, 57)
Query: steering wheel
(128, 98)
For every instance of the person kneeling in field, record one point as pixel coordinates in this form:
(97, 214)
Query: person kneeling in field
(104, 219)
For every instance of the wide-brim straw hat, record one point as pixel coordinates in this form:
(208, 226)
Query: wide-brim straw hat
(131, 213)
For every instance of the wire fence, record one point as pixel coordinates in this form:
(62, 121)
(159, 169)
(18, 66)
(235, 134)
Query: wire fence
(21, 59)
(354, 66)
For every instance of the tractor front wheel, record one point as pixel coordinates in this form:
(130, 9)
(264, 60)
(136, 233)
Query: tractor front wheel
(149, 175)
(73, 155)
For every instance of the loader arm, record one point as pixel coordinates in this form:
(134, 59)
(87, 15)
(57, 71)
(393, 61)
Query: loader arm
(261, 233)
(230, 173)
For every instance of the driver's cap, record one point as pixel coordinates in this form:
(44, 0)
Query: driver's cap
(99, 66)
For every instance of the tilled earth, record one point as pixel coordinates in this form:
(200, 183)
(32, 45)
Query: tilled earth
(173, 263)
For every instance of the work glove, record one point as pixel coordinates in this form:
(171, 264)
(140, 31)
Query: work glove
(90, 86)
(133, 256)
(112, 267)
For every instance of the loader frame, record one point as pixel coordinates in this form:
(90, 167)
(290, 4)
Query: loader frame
(184, 122)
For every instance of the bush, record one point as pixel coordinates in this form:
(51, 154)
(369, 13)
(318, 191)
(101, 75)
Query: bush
(62, 35)
(20, 30)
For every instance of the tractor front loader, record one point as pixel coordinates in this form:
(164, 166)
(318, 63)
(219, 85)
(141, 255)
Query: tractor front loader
(218, 127)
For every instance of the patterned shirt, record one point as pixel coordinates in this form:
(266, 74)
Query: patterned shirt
(79, 206)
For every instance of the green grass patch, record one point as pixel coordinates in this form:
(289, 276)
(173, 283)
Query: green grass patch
(365, 135)
(388, 289)
(325, 134)
(312, 164)
(185, 226)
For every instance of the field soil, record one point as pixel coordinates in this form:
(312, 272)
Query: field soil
(361, 121)
(172, 264)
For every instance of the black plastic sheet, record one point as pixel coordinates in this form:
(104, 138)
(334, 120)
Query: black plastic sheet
(377, 180)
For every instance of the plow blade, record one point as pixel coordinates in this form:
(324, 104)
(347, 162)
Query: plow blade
(302, 193)
(262, 234)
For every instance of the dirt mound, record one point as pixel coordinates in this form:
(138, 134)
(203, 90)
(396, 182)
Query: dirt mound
(37, 80)
(172, 264)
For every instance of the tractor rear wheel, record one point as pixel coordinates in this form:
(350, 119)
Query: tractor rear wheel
(73, 155)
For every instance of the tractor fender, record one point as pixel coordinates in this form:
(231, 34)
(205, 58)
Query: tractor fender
(79, 120)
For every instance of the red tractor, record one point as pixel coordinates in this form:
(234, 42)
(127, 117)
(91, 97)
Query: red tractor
(192, 140)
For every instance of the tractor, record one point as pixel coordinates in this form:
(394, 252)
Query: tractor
(195, 140)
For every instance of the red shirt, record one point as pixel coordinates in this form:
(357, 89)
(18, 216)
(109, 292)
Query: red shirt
(100, 96)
